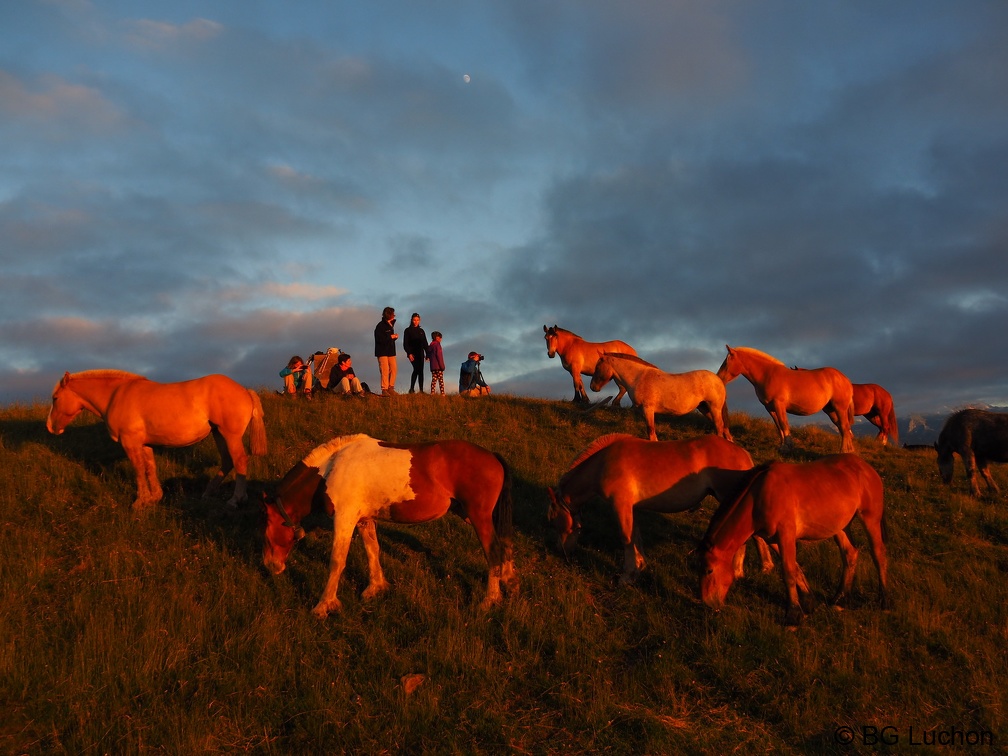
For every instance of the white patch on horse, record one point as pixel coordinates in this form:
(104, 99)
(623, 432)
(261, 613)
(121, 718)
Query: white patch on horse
(369, 478)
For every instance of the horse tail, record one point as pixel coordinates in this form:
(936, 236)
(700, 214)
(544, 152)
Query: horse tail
(503, 510)
(893, 424)
(258, 425)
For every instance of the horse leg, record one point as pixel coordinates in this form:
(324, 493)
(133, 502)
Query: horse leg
(342, 533)
(984, 469)
(377, 582)
(238, 458)
(650, 422)
(481, 518)
(848, 557)
(970, 463)
(789, 568)
(148, 487)
(778, 414)
(619, 396)
(633, 560)
(580, 395)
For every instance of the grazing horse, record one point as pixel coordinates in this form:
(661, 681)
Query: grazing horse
(654, 390)
(140, 414)
(979, 437)
(632, 474)
(875, 404)
(801, 392)
(579, 357)
(789, 502)
(358, 479)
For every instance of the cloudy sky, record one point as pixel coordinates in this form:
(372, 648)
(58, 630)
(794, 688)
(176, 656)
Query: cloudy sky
(194, 187)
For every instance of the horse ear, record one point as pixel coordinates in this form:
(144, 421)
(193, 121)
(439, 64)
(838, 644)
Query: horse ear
(545, 329)
(65, 379)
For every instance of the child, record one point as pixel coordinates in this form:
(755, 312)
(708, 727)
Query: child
(296, 376)
(343, 380)
(436, 358)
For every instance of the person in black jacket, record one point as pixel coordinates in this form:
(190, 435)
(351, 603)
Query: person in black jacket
(384, 349)
(415, 345)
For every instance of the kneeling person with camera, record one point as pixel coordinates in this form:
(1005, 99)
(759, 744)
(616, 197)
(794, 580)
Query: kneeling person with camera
(471, 381)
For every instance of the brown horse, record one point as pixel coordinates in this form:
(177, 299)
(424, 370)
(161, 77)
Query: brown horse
(579, 357)
(140, 413)
(979, 437)
(357, 479)
(789, 502)
(875, 404)
(654, 390)
(632, 474)
(799, 392)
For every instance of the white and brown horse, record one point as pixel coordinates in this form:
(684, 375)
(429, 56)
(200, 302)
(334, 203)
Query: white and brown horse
(578, 356)
(140, 414)
(631, 474)
(790, 502)
(782, 390)
(358, 479)
(654, 390)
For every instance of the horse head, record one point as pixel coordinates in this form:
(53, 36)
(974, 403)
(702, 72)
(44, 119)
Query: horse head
(730, 368)
(66, 405)
(551, 341)
(279, 536)
(946, 462)
(716, 576)
(567, 526)
(602, 374)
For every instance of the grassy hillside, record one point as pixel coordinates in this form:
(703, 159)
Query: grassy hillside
(125, 633)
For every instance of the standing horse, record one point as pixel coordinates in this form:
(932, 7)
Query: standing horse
(787, 502)
(654, 390)
(357, 479)
(632, 474)
(579, 356)
(801, 392)
(875, 404)
(140, 414)
(979, 437)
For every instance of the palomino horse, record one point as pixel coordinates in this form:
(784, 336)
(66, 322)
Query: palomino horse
(140, 414)
(801, 392)
(632, 474)
(579, 356)
(875, 404)
(358, 479)
(979, 437)
(654, 390)
(789, 502)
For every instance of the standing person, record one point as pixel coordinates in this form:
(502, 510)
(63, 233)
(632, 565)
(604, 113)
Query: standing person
(297, 376)
(437, 366)
(415, 346)
(384, 349)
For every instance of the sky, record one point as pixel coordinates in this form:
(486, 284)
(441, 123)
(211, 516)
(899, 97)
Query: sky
(190, 188)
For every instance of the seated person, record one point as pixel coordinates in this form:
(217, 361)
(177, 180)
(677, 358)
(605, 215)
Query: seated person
(470, 378)
(297, 377)
(343, 380)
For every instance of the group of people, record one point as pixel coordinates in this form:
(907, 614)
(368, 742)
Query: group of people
(299, 379)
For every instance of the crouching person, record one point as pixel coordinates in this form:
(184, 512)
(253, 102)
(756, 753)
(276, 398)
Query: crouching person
(471, 381)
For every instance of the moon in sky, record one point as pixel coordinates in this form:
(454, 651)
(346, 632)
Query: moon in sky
(466, 78)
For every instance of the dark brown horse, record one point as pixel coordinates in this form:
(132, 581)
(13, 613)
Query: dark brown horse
(358, 479)
(631, 474)
(979, 437)
(789, 502)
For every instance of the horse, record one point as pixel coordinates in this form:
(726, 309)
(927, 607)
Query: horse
(357, 479)
(875, 404)
(140, 413)
(979, 437)
(578, 356)
(786, 502)
(799, 392)
(632, 474)
(654, 390)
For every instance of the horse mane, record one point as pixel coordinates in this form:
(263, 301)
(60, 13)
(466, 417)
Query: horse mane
(761, 354)
(597, 445)
(630, 358)
(330, 447)
(105, 373)
(565, 330)
(722, 512)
